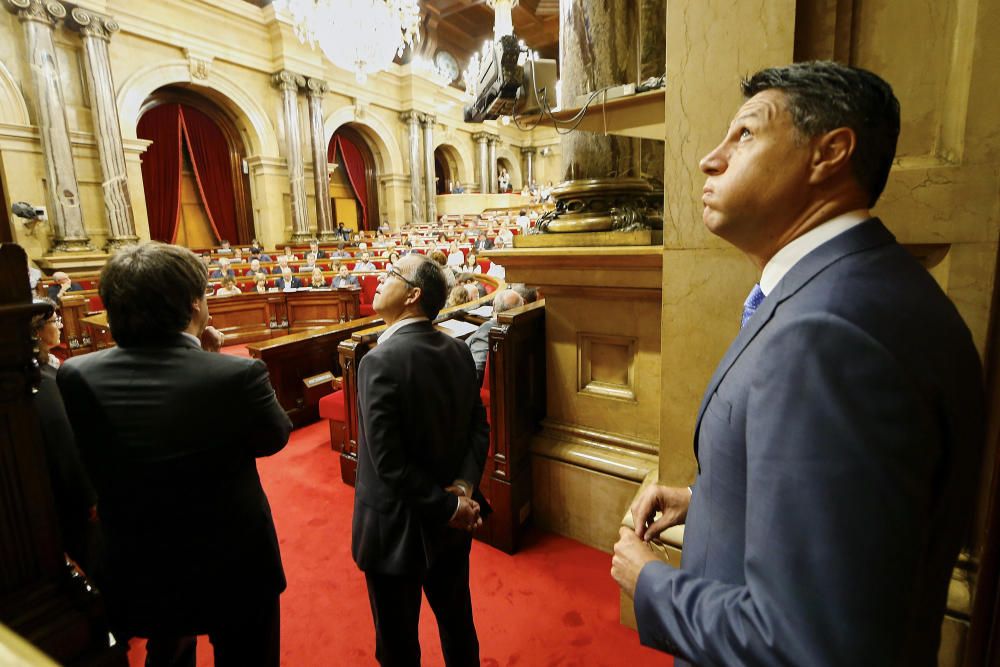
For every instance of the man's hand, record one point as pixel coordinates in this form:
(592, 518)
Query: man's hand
(467, 517)
(631, 554)
(671, 501)
(211, 339)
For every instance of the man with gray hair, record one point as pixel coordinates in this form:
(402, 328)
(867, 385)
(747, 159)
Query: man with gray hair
(479, 342)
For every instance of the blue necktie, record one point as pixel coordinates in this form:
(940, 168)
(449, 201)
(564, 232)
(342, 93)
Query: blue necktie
(750, 306)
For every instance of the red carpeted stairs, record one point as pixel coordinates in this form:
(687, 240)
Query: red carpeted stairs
(553, 603)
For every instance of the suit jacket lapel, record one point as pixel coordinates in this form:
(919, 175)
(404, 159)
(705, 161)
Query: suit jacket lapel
(868, 234)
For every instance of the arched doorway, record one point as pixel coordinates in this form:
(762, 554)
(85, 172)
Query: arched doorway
(353, 180)
(504, 166)
(197, 190)
(442, 174)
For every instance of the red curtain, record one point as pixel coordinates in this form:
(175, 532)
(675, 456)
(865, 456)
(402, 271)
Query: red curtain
(354, 165)
(161, 169)
(209, 153)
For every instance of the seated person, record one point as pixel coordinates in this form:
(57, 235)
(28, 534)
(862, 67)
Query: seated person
(224, 248)
(315, 251)
(62, 284)
(380, 241)
(318, 280)
(256, 268)
(523, 221)
(407, 248)
(256, 247)
(365, 264)
(468, 280)
(282, 264)
(309, 265)
(223, 271)
(260, 285)
(479, 342)
(237, 257)
(391, 260)
(483, 242)
(505, 234)
(442, 261)
(289, 255)
(457, 296)
(471, 264)
(228, 287)
(455, 255)
(340, 253)
(345, 279)
(287, 281)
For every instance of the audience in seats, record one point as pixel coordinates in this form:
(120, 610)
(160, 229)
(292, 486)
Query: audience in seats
(479, 341)
(309, 264)
(228, 287)
(471, 264)
(288, 281)
(318, 280)
(457, 296)
(455, 255)
(224, 248)
(344, 278)
(256, 268)
(75, 499)
(365, 263)
(392, 260)
(422, 445)
(223, 271)
(237, 257)
(187, 555)
(523, 221)
(315, 250)
(259, 254)
(340, 253)
(62, 284)
(260, 283)
(483, 242)
(442, 261)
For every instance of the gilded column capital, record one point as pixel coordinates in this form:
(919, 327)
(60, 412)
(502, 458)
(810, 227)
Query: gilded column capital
(316, 87)
(288, 81)
(411, 117)
(494, 138)
(428, 119)
(481, 137)
(528, 150)
(43, 11)
(92, 24)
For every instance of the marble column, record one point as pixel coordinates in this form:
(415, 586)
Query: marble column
(289, 83)
(494, 140)
(482, 161)
(412, 120)
(317, 88)
(62, 189)
(96, 31)
(528, 153)
(430, 183)
(604, 43)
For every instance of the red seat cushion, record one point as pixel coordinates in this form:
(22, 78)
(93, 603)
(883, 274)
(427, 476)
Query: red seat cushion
(332, 406)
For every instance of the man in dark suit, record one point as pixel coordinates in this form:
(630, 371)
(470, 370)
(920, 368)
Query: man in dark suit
(169, 431)
(287, 281)
(839, 439)
(63, 283)
(422, 445)
(483, 242)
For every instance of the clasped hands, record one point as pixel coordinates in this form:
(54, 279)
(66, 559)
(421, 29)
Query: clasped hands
(467, 517)
(632, 551)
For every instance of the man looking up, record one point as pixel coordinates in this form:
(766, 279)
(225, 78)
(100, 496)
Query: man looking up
(422, 443)
(191, 545)
(839, 439)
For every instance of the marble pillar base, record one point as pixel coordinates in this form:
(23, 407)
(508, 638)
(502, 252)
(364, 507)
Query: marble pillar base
(71, 246)
(302, 237)
(329, 236)
(603, 205)
(120, 242)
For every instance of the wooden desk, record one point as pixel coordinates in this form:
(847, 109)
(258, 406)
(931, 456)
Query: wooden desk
(293, 358)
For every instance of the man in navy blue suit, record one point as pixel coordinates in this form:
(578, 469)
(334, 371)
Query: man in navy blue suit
(839, 438)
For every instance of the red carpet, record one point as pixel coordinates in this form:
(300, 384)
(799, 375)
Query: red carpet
(553, 604)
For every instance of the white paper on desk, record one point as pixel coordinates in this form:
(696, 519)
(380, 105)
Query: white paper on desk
(483, 311)
(457, 327)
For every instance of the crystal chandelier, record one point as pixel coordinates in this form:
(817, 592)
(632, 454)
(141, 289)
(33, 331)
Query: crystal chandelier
(361, 36)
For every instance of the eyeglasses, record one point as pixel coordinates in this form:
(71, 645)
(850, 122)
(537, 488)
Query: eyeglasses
(397, 274)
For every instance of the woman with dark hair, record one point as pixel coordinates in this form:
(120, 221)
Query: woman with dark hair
(75, 499)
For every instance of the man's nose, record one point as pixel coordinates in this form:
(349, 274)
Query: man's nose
(713, 163)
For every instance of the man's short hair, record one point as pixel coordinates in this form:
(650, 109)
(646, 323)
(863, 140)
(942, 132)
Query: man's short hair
(439, 257)
(506, 300)
(148, 290)
(429, 277)
(529, 294)
(824, 95)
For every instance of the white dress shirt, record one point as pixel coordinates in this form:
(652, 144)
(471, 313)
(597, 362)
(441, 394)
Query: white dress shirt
(385, 335)
(789, 256)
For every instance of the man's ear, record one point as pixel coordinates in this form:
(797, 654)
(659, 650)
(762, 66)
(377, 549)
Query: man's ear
(414, 296)
(831, 154)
